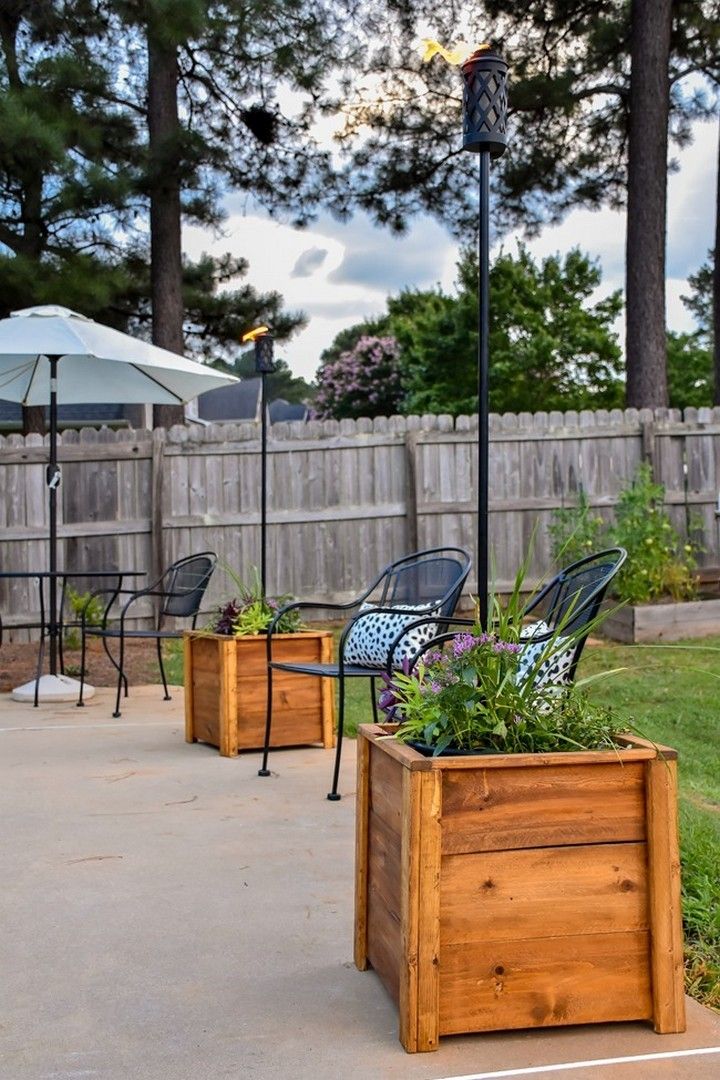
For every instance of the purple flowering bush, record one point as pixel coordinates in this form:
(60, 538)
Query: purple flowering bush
(362, 382)
(249, 612)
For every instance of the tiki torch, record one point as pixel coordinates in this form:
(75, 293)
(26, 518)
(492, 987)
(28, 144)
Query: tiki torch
(484, 133)
(264, 366)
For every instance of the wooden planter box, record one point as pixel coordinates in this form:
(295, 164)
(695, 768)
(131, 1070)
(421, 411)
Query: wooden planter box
(663, 622)
(226, 691)
(519, 891)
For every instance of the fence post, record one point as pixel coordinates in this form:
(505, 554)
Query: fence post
(411, 442)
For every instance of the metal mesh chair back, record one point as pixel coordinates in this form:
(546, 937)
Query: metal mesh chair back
(185, 583)
(574, 597)
(430, 578)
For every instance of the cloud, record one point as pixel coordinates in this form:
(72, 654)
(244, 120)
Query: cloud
(308, 262)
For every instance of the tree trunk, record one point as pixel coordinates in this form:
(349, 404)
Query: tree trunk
(33, 420)
(645, 342)
(716, 288)
(165, 216)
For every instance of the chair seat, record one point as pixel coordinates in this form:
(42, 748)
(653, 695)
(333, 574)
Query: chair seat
(97, 631)
(329, 671)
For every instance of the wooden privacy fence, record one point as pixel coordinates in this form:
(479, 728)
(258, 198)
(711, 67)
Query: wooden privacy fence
(345, 498)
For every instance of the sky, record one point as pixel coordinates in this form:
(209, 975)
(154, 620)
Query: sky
(341, 273)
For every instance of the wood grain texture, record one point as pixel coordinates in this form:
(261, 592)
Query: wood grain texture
(342, 502)
(552, 891)
(588, 979)
(362, 825)
(665, 899)
(226, 679)
(496, 809)
(524, 897)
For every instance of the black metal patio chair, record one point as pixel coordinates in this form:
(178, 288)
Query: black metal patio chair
(563, 612)
(422, 584)
(179, 590)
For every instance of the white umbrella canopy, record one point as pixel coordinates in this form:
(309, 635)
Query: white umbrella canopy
(50, 355)
(95, 363)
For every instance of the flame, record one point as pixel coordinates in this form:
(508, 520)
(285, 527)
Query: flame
(458, 55)
(256, 333)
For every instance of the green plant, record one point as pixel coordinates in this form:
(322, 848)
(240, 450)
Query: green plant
(82, 605)
(491, 691)
(249, 612)
(659, 563)
(575, 531)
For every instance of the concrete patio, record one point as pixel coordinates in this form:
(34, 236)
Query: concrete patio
(168, 914)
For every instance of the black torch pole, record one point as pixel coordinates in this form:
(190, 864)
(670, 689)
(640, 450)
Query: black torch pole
(483, 457)
(484, 122)
(264, 366)
(263, 483)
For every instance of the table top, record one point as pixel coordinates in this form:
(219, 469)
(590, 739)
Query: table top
(71, 573)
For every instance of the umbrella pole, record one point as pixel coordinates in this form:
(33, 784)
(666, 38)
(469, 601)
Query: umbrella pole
(53, 481)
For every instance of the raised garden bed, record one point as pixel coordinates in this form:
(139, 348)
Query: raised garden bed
(636, 623)
(519, 891)
(226, 691)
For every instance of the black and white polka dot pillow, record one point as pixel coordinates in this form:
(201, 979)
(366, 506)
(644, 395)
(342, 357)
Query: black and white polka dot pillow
(369, 641)
(556, 669)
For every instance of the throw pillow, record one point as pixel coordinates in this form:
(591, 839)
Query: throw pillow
(556, 669)
(369, 641)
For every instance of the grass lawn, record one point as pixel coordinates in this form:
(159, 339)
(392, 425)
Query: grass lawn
(672, 696)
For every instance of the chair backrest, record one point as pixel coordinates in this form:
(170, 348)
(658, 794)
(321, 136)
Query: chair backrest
(434, 577)
(184, 584)
(572, 600)
(576, 593)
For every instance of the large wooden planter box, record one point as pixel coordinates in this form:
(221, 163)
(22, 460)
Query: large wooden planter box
(636, 623)
(226, 691)
(519, 891)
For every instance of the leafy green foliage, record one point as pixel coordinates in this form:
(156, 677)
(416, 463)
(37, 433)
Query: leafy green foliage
(659, 563)
(550, 347)
(690, 371)
(86, 606)
(575, 531)
(250, 612)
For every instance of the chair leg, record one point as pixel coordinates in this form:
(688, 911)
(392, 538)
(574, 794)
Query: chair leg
(162, 670)
(373, 698)
(83, 651)
(114, 662)
(121, 677)
(263, 770)
(333, 794)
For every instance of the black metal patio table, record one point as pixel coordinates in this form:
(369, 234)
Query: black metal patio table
(52, 622)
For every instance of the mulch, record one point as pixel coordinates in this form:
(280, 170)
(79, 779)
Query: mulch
(18, 664)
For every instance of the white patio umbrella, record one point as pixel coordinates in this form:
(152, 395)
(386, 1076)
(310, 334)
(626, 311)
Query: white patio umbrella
(51, 355)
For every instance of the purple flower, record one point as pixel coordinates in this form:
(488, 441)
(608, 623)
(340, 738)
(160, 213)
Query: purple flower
(463, 643)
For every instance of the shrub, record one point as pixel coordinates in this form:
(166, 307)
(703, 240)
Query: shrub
(659, 563)
(363, 382)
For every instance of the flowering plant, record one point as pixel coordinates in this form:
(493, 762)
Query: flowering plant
(249, 612)
(365, 381)
(489, 692)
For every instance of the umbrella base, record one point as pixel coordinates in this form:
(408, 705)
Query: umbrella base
(52, 688)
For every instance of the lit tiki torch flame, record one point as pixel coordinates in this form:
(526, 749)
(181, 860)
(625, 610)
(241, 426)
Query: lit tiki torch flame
(264, 348)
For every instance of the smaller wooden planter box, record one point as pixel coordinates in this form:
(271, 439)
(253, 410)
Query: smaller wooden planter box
(636, 623)
(519, 891)
(226, 691)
